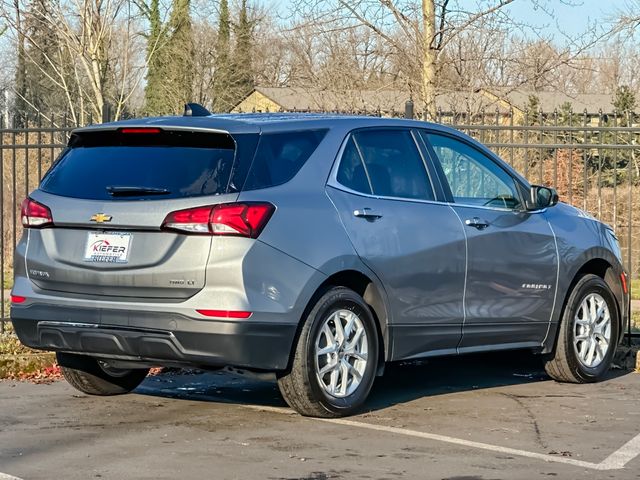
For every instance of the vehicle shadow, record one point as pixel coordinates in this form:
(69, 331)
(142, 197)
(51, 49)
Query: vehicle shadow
(401, 383)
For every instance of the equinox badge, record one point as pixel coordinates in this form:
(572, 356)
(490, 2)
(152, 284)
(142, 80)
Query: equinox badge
(101, 218)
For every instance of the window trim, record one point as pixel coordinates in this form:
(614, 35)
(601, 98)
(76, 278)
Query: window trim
(519, 187)
(333, 176)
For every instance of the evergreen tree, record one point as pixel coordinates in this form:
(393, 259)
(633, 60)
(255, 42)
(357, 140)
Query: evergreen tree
(153, 92)
(222, 94)
(242, 57)
(169, 58)
(624, 99)
(566, 115)
(532, 109)
(36, 91)
(179, 64)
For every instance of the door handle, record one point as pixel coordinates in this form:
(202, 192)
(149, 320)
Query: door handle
(367, 213)
(476, 222)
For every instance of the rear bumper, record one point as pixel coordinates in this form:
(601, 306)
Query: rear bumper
(113, 334)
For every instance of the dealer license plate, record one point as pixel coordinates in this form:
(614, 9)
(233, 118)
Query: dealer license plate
(107, 247)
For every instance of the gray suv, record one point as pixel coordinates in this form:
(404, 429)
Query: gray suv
(315, 247)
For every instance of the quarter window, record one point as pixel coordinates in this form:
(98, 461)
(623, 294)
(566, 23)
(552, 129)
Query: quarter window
(280, 156)
(351, 172)
(386, 163)
(473, 177)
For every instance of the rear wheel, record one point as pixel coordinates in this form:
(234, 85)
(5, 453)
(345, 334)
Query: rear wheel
(588, 335)
(335, 358)
(96, 377)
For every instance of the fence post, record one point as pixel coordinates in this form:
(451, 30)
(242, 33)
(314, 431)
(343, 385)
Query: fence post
(408, 109)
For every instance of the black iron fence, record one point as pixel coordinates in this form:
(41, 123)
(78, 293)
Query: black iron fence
(592, 159)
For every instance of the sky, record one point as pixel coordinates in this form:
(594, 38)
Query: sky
(558, 19)
(569, 16)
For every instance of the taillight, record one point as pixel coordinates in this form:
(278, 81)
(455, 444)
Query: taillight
(35, 215)
(18, 299)
(237, 219)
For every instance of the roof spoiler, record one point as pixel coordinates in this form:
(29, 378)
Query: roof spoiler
(195, 110)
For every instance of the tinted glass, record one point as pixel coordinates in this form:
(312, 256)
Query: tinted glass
(473, 177)
(351, 172)
(280, 156)
(393, 164)
(168, 164)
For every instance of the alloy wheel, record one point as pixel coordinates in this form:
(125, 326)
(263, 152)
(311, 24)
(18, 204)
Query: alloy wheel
(341, 353)
(592, 330)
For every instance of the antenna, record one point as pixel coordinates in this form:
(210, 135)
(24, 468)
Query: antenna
(195, 110)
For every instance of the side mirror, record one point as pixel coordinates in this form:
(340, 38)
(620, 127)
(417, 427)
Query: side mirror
(542, 197)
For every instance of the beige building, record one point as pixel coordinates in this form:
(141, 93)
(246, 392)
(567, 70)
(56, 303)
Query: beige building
(496, 103)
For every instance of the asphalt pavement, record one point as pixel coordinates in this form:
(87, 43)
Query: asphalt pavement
(475, 417)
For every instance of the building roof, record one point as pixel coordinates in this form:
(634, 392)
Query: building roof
(548, 101)
(388, 100)
(385, 100)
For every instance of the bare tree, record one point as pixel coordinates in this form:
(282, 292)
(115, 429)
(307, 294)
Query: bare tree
(418, 33)
(97, 56)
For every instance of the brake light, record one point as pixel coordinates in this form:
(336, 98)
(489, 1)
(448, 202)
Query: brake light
(224, 313)
(236, 219)
(35, 215)
(18, 299)
(143, 130)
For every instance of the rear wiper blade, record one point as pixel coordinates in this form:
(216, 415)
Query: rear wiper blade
(129, 191)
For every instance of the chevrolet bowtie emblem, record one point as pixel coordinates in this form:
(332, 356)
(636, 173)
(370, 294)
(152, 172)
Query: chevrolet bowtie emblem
(101, 218)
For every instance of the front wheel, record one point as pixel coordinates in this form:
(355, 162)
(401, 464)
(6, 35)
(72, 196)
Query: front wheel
(335, 358)
(95, 377)
(588, 334)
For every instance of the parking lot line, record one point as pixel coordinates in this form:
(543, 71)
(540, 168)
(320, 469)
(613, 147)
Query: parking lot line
(4, 476)
(623, 455)
(616, 461)
(464, 443)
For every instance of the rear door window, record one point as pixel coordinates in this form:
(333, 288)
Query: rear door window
(393, 166)
(166, 164)
(280, 156)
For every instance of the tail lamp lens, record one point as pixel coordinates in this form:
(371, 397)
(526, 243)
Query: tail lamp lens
(18, 299)
(236, 219)
(35, 215)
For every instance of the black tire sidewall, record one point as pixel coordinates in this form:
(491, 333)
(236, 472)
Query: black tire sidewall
(334, 300)
(587, 285)
(90, 369)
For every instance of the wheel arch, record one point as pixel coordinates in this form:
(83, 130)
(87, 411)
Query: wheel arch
(368, 287)
(603, 265)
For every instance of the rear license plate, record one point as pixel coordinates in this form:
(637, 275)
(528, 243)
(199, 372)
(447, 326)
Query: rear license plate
(107, 247)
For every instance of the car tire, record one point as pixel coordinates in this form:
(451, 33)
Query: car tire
(87, 375)
(574, 359)
(321, 384)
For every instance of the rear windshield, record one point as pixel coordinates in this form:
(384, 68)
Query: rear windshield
(163, 164)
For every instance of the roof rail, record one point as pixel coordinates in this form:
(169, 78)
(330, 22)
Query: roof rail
(195, 110)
